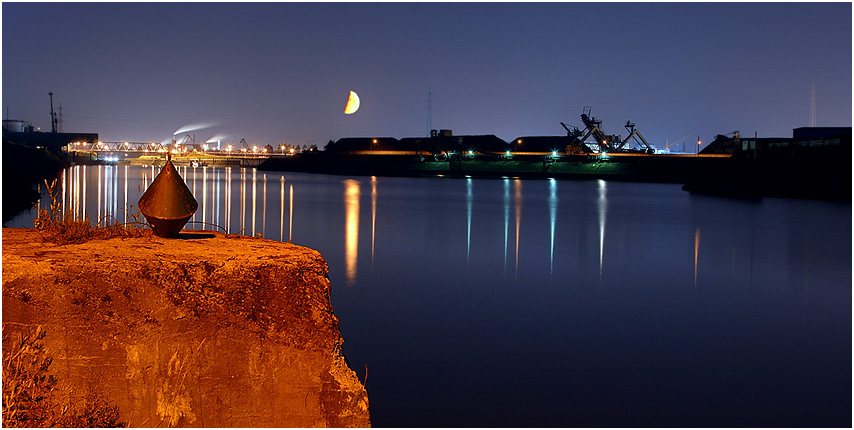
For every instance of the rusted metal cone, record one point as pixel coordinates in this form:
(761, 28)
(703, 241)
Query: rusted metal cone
(167, 203)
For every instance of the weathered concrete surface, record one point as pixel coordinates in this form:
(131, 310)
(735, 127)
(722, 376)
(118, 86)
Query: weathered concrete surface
(206, 330)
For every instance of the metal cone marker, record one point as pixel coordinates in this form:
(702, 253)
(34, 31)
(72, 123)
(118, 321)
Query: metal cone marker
(167, 203)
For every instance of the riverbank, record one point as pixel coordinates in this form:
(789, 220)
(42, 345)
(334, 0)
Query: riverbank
(626, 167)
(815, 173)
(207, 330)
(23, 169)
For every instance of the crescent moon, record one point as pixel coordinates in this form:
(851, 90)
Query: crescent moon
(352, 103)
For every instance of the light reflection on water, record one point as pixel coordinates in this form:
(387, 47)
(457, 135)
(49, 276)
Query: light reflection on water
(351, 207)
(602, 205)
(628, 304)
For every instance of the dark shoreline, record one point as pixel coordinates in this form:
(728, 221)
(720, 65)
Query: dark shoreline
(23, 169)
(820, 175)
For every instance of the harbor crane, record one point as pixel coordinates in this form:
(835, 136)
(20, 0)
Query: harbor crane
(606, 142)
(668, 145)
(630, 126)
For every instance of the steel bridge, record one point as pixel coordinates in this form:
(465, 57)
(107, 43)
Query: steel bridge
(116, 147)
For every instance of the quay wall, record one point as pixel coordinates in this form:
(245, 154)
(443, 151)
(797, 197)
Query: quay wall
(672, 169)
(812, 173)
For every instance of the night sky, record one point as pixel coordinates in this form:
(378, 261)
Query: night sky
(277, 73)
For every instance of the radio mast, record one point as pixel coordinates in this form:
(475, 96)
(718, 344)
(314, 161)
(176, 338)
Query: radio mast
(429, 111)
(812, 105)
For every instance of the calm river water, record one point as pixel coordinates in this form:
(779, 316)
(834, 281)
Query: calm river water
(508, 303)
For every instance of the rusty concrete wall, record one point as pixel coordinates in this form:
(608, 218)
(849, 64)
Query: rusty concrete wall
(206, 330)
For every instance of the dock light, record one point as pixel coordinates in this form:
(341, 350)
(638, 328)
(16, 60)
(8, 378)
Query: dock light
(254, 149)
(228, 148)
(292, 151)
(508, 153)
(471, 152)
(554, 153)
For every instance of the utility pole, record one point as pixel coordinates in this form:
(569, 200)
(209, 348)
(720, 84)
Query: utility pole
(60, 128)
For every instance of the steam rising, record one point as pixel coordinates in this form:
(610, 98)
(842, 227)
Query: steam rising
(194, 127)
(216, 138)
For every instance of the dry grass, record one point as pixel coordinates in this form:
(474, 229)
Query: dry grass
(63, 226)
(29, 390)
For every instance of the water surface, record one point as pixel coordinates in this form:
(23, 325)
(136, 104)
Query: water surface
(508, 302)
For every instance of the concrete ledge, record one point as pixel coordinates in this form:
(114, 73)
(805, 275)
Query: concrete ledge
(206, 330)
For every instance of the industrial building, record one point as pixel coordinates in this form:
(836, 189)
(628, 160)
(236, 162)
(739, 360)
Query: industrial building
(21, 132)
(803, 137)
